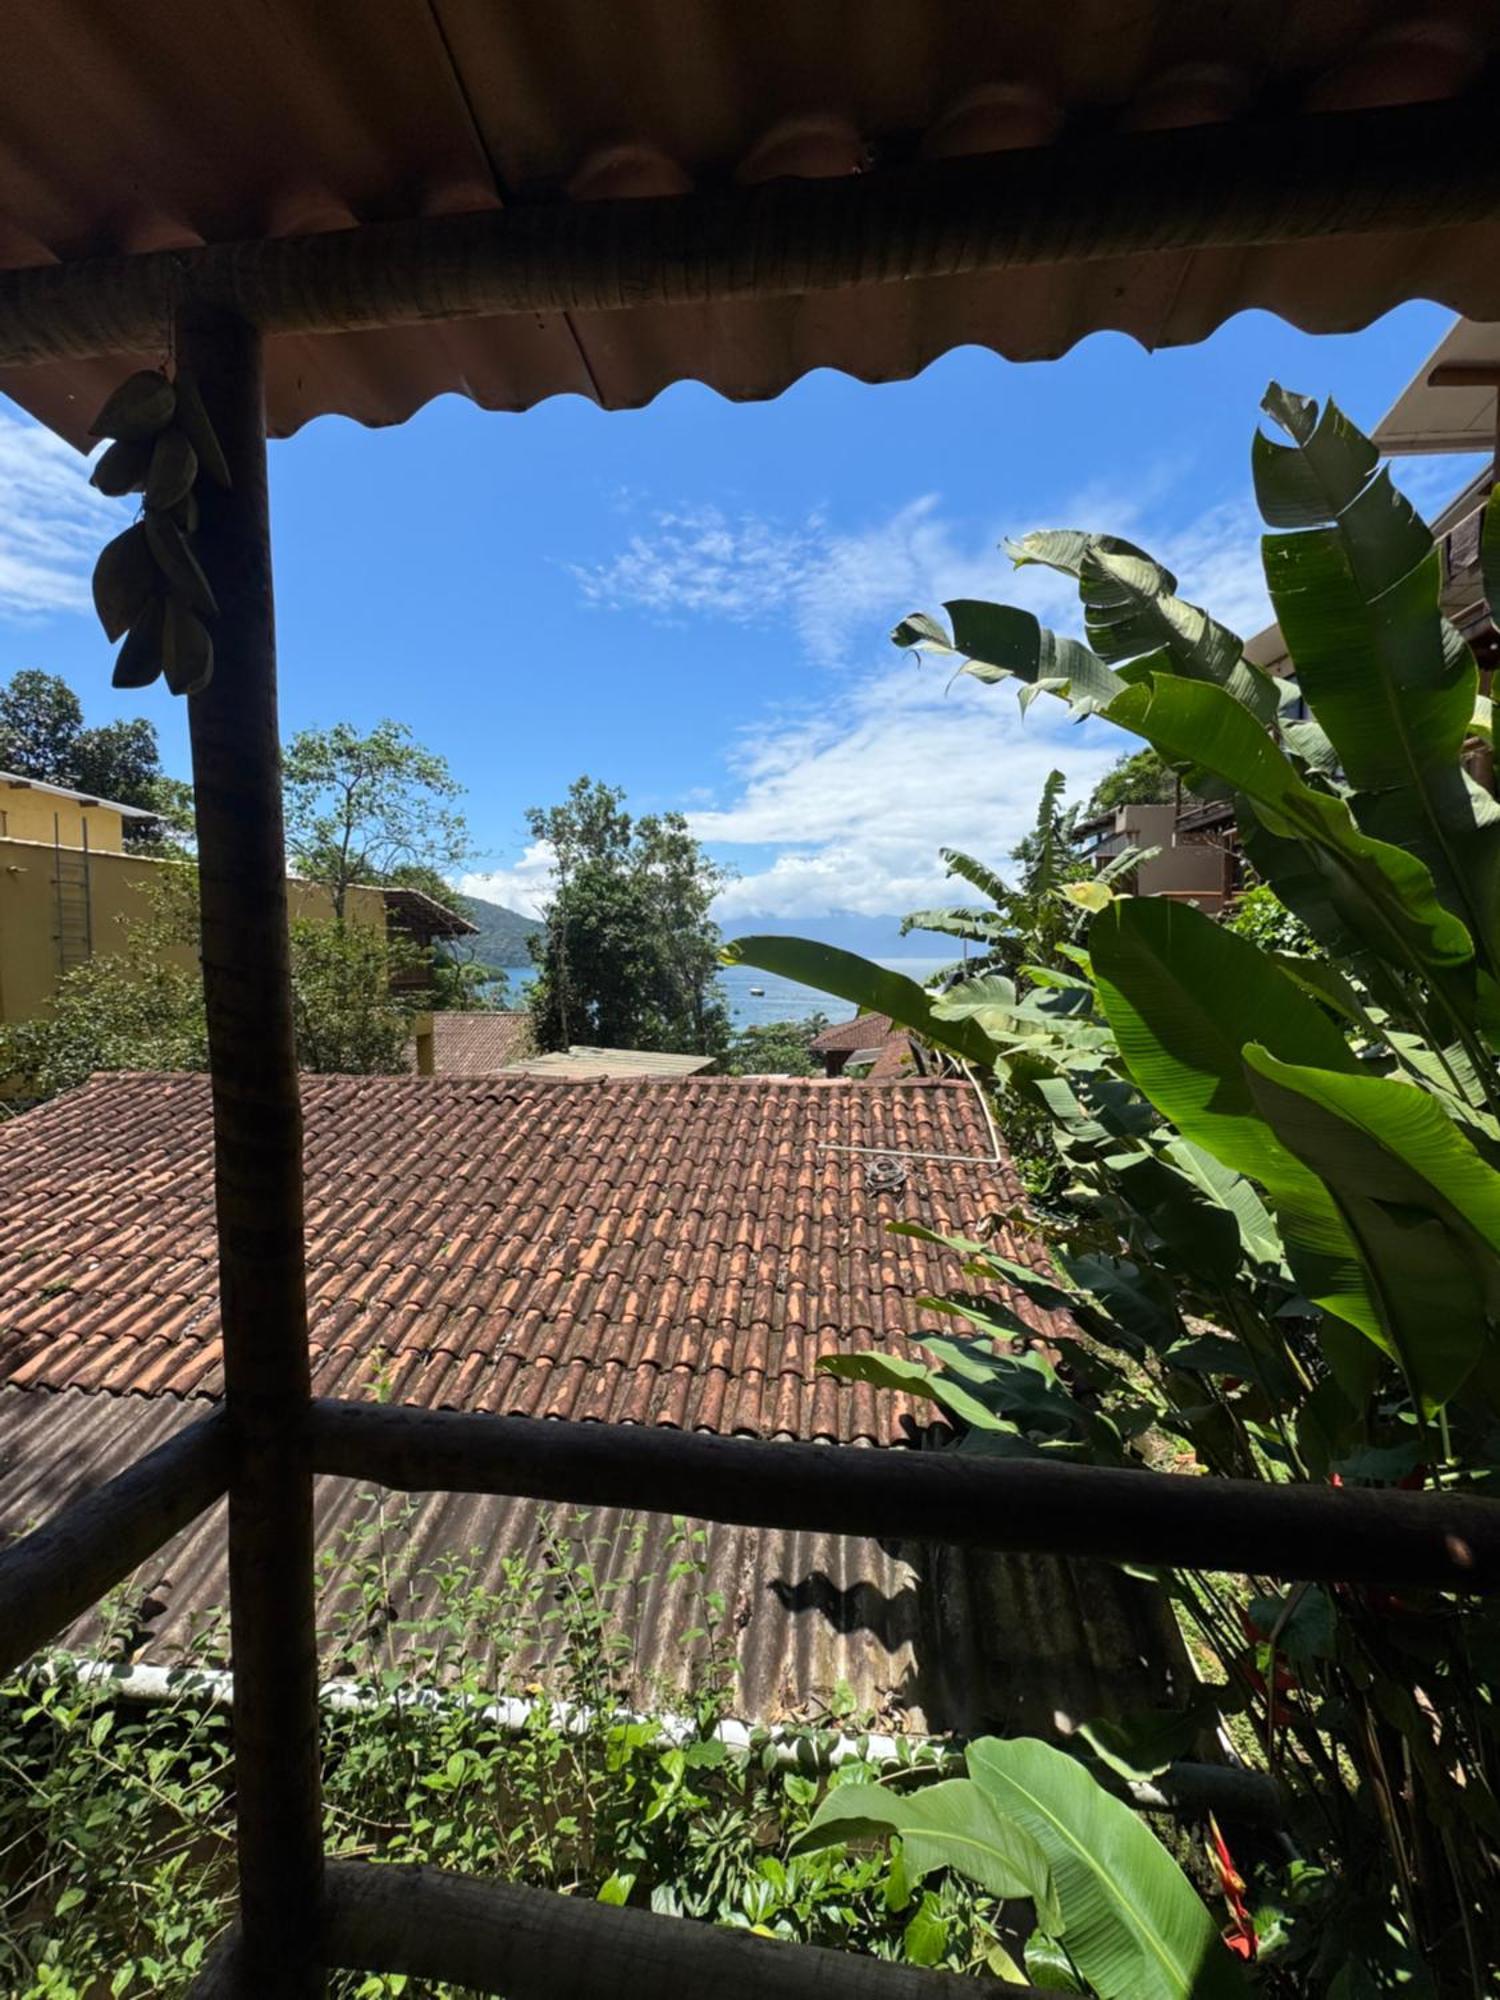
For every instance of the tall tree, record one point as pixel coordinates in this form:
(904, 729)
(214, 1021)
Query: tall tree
(368, 808)
(629, 958)
(42, 736)
(40, 722)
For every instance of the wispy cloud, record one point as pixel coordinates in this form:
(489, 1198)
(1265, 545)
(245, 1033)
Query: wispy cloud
(844, 804)
(52, 525)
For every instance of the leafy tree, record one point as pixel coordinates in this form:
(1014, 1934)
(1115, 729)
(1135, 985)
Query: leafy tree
(1139, 778)
(370, 808)
(40, 722)
(776, 1048)
(141, 1007)
(42, 736)
(629, 957)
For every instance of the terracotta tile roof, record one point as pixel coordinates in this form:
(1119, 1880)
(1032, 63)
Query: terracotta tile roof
(865, 1031)
(894, 1060)
(674, 1253)
(479, 1044)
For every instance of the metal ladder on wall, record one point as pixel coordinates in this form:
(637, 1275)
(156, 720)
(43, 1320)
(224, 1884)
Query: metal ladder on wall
(73, 890)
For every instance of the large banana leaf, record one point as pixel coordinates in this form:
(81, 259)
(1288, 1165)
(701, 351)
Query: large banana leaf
(947, 1825)
(1131, 1920)
(1420, 1202)
(1130, 610)
(1001, 642)
(1184, 998)
(1382, 892)
(978, 875)
(866, 985)
(1356, 588)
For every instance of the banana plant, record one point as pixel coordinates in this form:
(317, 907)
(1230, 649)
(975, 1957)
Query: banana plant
(1279, 1231)
(1115, 1915)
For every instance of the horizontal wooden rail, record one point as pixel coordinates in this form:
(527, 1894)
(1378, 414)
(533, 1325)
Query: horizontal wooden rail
(1296, 1532)
(532, 1945)
(1239, 184)
(52, 1576)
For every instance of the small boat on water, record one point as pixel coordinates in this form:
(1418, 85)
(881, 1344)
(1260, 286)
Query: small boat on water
(757, 992)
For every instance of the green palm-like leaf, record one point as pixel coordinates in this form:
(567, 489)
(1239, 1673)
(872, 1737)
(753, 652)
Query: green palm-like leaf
(1382, 893)
(1356, 587)
(1131, 611)
(947, 1825)
(1132, 1921)
(1421, 1204)
(980, 877)
(1184, 998)
(1001, 642)
(983, 927)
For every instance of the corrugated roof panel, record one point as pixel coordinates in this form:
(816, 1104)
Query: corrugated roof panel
(923, 1638)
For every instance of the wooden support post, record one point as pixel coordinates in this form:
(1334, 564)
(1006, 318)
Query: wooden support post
(52, 1576)
(258, 1187)
(531, 1944)
(1451, 1540)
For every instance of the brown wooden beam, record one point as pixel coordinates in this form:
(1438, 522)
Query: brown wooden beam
(528, 1944)
(1242, 184)
(257, 1118)
(53, 1575)
(1314, 1532)
(1464, 375)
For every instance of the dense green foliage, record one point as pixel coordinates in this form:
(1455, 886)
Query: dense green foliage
(42, 735)
(375, 808)
(776, 1048)
(1138, 778)
(116, 1825)
(1260, 915)
(629, 957)
(141, 1005)
(1282, 1245)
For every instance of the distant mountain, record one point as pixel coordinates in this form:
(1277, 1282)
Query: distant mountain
(871, 937)
(502, 932)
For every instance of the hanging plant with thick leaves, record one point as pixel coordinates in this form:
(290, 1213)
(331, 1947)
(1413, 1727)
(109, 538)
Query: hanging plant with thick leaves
(149, 588)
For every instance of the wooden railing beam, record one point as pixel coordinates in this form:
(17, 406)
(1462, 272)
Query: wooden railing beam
(529, 1944)
(53, 1575)
(1241, 184)
(1018, 1505)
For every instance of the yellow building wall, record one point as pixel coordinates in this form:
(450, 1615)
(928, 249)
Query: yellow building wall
(28, 814)
(120, 885)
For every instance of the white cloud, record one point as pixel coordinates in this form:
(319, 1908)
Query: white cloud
(853, 796)
(855, 802)
(526, 887)
(839, 591)
(52, 525)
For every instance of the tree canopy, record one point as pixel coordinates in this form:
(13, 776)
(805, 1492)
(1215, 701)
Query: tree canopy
(42, 735)
(375, 808)
(1139, 778)
(629, 958)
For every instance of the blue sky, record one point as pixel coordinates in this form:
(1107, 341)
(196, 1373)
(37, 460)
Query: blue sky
(692, 600)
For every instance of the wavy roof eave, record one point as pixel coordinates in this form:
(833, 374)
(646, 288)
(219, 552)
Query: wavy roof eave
(177, 127)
